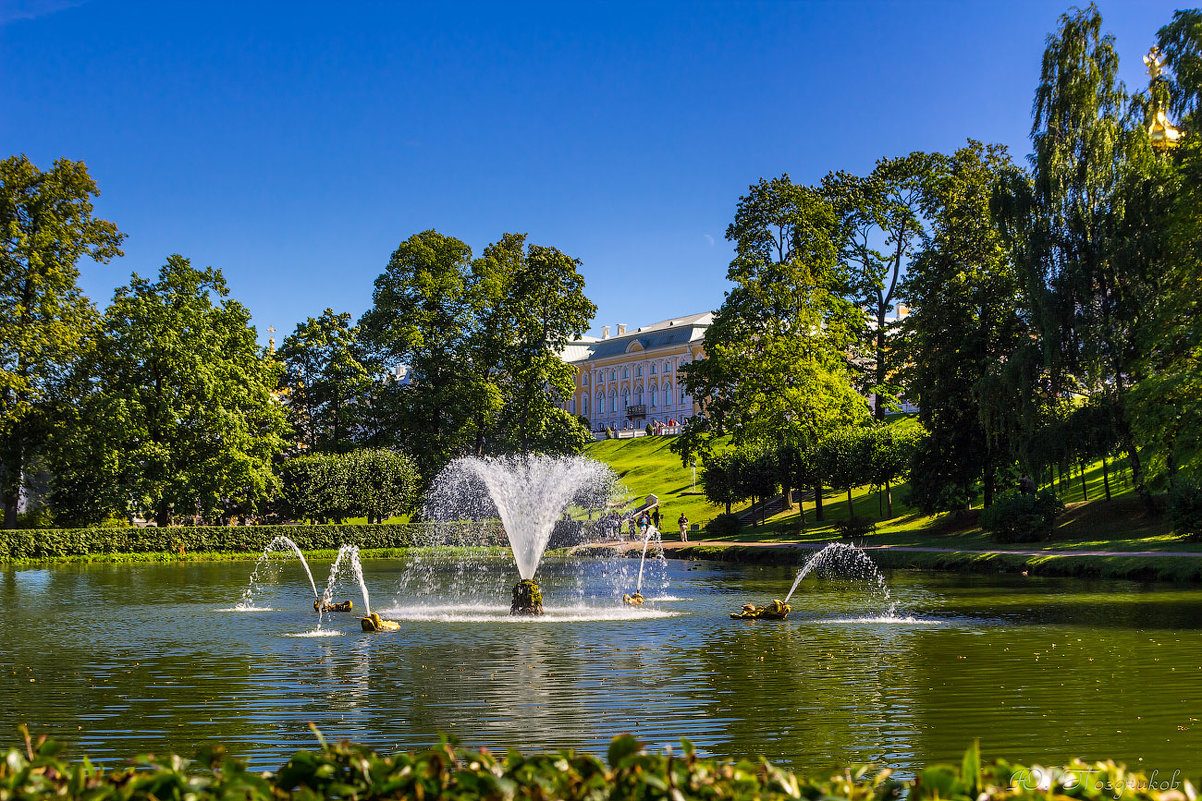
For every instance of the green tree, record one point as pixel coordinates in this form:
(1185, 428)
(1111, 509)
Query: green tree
(880, 230)
(380, 484)
(1083, 229)
(47, 226)
(967, 316)
(842, 460)
(532, 303)
(1167, 401)
(775, 367)
(326, 384)
(720, 478)
(184, 397)
(890, 452)
(421, 318)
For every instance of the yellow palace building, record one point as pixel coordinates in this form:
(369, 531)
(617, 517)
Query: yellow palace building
(633, 379)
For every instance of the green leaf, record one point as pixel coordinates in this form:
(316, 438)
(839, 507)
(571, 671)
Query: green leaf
(621, 747)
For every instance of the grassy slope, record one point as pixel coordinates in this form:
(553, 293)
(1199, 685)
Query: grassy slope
(648, 466)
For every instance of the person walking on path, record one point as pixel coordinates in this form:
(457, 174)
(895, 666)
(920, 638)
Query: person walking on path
(683, 522)
(655, 518)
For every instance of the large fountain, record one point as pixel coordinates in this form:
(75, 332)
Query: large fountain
(529, 494)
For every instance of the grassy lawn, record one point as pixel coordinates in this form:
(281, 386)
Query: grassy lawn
(1120, 524)
(646, 466)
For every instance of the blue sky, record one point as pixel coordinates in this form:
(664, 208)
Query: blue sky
(294, 145)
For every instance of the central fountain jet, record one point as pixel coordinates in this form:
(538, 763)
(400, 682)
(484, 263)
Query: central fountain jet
(529, 494)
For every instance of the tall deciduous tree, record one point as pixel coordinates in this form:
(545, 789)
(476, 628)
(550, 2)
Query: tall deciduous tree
(881, 229)
(184, 397)
(1167, 401)
(775, 368)
(532, 303)
(421, 317)
(46, 226)
(967, 315)
(326, 383)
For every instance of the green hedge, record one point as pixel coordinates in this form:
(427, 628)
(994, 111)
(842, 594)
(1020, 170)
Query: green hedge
(18, 544)
(35, 771)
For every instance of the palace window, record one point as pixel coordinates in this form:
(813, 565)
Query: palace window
(625, 372)
(584, 405)
(638, 372)
(653, 394)
(613, 401)
(653, 369)
(625, 399)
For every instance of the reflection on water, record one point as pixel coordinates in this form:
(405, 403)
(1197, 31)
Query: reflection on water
(118, 660)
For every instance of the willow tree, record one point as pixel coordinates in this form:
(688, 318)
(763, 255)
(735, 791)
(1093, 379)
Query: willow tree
(775, 369)
(1089, 257)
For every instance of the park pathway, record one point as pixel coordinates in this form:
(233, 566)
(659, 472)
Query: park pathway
(814, 546)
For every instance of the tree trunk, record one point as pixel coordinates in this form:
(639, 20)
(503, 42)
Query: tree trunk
(818, 515)
(889, 499)
(1084, 488)
(788, 493)
(10, 480)
(1106, 477)
(881, 372)
(851, 512)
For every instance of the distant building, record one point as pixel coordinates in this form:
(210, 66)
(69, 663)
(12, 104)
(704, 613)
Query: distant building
(633, 378)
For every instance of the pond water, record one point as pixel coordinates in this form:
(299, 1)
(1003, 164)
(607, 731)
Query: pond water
(117, 660)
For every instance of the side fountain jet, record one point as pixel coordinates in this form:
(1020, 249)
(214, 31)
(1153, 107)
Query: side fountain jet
(636, 599)
(838, 557)
(277, 545)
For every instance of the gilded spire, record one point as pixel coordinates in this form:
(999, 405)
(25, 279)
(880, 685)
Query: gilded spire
(1162, 132)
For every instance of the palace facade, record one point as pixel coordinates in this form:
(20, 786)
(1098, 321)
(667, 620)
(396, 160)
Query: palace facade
(633, 379)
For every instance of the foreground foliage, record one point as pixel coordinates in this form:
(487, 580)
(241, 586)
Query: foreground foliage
(355, 772)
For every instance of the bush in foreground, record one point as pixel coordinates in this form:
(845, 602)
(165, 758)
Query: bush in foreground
(353, 772)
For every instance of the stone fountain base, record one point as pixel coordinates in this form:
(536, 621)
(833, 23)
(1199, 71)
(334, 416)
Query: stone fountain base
(527, 599)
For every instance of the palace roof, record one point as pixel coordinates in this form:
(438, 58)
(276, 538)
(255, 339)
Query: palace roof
(664, 334)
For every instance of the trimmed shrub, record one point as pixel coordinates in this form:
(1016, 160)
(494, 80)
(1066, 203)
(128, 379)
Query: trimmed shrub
(856, 527)
(1185, 510)
(44, 543)
(1021, 517)
(724, 525)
